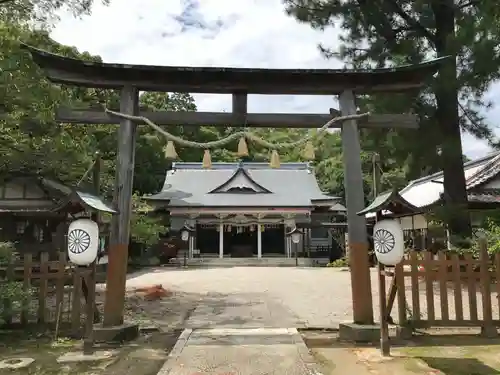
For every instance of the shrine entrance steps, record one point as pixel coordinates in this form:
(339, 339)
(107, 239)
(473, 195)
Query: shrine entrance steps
(247, 351)
(250, 262)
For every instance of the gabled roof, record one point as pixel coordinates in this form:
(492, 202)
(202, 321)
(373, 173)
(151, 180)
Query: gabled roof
(246, 182)
(428, 190)
(290, 185)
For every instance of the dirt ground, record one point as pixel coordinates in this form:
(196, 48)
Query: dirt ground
(144, 356)
(440, 354)
(162, 314)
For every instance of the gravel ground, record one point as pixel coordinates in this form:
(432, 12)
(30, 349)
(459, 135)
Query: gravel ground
(315, 297)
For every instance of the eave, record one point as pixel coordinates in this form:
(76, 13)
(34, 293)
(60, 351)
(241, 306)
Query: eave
(223, 80)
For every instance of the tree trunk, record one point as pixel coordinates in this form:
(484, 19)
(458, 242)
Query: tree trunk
(446, 91)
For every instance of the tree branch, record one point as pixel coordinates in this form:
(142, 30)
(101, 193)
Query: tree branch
(468, 4)
(383, 28)
(412, 22)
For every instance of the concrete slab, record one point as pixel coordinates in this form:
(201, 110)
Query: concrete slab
(98, 355)
(16, 363)
(240, 351)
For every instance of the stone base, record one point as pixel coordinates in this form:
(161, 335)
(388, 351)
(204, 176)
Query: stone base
(489, 332)
(359, 332)
(404, 333)
(124, 332)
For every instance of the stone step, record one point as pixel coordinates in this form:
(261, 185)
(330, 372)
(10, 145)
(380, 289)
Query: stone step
(249, 262)
(240, 351)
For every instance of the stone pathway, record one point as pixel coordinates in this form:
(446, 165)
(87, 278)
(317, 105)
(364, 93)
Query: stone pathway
(241, 311)
(230, 351)
(240, 334)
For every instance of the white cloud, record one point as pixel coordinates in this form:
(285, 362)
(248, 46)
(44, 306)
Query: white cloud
(243, 33)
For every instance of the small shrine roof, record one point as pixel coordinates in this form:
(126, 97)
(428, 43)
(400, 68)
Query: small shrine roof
(393, 202)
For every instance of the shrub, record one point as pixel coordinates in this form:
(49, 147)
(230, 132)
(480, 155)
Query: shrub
(12, 294)
(341, 262)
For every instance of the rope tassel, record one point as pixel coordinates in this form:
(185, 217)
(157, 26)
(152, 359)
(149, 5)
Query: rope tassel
(275, 160)
(242, 147)
(207, 160)
(169, 151)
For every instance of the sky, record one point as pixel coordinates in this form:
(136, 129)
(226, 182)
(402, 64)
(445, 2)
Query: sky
(242, 33)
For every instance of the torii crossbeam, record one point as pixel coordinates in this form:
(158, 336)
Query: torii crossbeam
(130, 79)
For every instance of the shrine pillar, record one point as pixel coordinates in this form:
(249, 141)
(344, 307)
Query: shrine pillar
(221, 240)
(259, 241)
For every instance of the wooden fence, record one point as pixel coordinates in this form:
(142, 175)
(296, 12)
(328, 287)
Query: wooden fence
(52, 292)
(447, 290)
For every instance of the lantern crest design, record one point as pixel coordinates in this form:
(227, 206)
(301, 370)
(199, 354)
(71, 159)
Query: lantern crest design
(83, 241)
(78, 241)
(388, 242)
(383, 241)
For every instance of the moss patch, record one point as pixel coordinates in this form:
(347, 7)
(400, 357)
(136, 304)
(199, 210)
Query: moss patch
(465, 355)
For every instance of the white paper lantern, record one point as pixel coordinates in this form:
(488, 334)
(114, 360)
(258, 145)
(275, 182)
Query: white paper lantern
(83, 241)
(388, 241)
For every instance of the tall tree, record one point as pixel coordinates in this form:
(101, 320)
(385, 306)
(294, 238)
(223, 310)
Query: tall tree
(390, 32)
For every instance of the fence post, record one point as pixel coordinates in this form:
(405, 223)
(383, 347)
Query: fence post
(404, 330)
(76, 301)
(7, 303)
(25, 311)
(487, 328)
(43, 291)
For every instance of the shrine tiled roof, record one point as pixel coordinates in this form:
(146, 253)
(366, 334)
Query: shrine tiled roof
(428, 190)
(242, 185)
(484, 196)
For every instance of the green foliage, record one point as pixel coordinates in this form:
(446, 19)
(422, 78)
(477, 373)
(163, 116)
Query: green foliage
(145, 229)
(492, 232)
(11, 292)
(42, 12)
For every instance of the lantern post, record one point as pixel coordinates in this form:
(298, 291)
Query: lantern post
(296, 235)
(385, 345)
(185, 236)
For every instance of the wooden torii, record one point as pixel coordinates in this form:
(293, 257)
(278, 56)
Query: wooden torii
(239, 82)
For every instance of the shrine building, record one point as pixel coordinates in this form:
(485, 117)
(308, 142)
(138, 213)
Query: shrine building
(246, 209)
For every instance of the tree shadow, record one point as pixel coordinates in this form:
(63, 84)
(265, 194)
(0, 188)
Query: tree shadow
(459, 366)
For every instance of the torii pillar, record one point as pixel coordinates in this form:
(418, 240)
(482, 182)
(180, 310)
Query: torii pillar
(362, 304)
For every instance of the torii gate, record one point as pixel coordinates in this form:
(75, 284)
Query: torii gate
(130, 79)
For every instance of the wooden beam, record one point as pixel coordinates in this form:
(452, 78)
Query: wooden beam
(219, 119)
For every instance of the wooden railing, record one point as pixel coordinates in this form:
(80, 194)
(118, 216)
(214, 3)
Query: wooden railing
(52, 290)
(447, 290)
